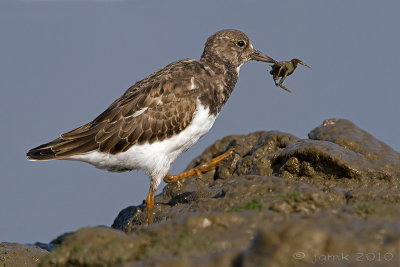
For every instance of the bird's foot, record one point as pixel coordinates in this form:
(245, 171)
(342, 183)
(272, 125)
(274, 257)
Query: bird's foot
(208, 166)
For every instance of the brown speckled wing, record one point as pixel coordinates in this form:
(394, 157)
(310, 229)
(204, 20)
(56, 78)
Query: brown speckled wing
(151, 110)
(163, 117)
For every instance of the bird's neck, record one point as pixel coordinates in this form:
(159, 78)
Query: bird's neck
(220, 67)
(218, 64)
(224, 77)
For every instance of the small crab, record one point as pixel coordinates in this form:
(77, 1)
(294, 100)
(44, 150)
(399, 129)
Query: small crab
(284, 69)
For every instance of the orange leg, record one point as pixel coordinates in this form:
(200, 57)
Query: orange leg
(211, 165)
(150, 205)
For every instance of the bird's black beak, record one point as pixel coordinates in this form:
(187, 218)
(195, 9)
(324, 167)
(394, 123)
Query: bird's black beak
(259, 56)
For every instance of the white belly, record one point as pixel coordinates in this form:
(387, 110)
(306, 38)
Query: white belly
(155, 158)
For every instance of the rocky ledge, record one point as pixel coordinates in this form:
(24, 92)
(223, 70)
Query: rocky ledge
(332, 199)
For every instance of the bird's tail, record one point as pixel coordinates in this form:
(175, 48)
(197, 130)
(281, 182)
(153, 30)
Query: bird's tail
(43, 152)
(78, 141)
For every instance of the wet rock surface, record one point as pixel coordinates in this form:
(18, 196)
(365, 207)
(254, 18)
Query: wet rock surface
(332, 199)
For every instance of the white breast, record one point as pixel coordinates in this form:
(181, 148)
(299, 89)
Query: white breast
(155, 158)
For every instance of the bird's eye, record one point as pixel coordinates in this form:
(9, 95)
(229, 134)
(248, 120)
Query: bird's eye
(241, 43)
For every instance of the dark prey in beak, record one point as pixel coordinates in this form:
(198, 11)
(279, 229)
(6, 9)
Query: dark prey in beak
(284, 69)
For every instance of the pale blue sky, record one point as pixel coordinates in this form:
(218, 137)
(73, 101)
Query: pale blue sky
(64, 62)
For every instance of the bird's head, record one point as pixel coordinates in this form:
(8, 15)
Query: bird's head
(232, 47)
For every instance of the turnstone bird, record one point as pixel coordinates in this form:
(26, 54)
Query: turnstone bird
(160, 116)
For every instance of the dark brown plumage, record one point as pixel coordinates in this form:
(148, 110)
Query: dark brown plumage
(169, 109)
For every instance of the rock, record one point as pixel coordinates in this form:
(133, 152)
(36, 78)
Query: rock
(313, 240)
(17, 255)
(279, 200)
(96, 246)
(53, 244)
(45, 246)
(347, 135)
